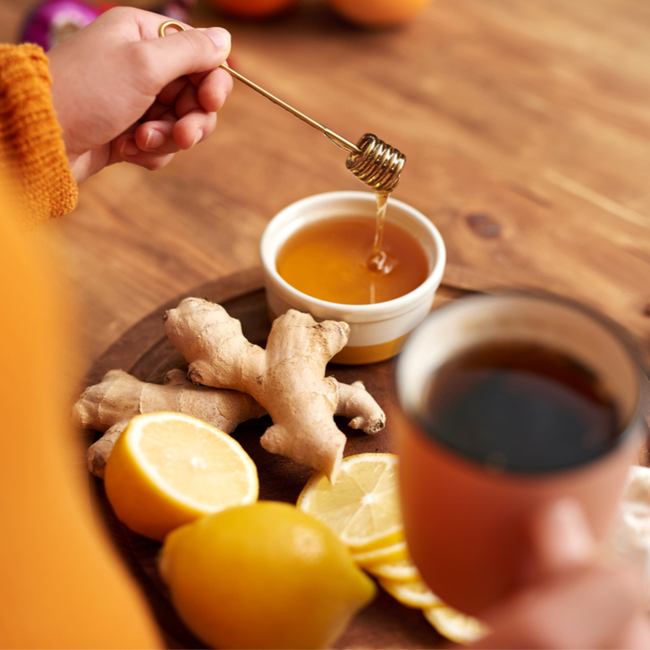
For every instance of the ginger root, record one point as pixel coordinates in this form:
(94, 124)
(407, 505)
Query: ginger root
(109, 405)
(287, 378)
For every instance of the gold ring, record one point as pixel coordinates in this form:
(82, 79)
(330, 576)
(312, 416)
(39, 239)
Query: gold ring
(170, 23)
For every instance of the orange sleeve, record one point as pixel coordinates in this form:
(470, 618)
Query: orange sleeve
(62, 584)
(30, 136)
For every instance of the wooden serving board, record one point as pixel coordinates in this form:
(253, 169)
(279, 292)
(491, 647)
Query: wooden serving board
(145, 352)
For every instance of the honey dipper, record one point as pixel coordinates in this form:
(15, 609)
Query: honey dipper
(371, 160)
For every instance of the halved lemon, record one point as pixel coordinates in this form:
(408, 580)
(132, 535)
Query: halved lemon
(457, 627)
(362, 507)
(168, 469)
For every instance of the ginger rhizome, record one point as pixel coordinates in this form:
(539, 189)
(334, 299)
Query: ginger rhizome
(287, 378)
(110, 405)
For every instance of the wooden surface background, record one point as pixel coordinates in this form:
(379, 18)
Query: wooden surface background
(527, 131)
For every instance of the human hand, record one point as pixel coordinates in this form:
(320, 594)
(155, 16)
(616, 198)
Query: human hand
(572, 601)
(122, 93)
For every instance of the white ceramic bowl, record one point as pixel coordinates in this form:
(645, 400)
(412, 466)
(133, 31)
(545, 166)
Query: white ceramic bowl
(377, 331)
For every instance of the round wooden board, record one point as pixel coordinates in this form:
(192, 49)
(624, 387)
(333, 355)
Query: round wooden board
(145, 352)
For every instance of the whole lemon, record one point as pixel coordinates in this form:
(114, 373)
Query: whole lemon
(265, 575)
(379, 13)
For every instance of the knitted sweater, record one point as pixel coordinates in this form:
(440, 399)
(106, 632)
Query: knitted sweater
(62, 584)
(32, 151)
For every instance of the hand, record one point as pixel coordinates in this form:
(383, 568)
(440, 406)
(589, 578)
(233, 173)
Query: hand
(122, 93)
(573, 602)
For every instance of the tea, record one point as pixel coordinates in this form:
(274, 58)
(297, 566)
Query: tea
(521, 407)
(328, 259)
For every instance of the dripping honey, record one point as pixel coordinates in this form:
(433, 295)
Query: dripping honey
(329, 258)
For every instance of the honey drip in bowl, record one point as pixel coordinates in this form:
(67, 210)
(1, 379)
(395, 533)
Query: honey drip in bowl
(328, 259)
(380, 261)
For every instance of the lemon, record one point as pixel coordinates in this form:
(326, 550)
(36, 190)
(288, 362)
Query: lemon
(264, 575)
(167, 469)
(413, 593)
(391, 553)
(362, 507)
(457, 627)
(401, 570)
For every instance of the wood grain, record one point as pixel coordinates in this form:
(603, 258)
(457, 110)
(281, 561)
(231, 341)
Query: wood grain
(526, 127)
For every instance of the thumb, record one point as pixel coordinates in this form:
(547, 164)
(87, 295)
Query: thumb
(183, 53)
(561, 538)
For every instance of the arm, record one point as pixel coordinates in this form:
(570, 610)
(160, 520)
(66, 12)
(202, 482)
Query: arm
(63, 584)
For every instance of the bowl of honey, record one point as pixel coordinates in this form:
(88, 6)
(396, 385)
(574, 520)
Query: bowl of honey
(369, 260)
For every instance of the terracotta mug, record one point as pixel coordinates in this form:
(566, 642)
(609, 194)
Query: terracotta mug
(466, 509)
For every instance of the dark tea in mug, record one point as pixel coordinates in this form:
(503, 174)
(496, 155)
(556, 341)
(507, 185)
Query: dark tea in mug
(508, 402)
(520, 406)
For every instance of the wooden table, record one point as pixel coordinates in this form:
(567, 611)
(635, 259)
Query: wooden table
(527, 131)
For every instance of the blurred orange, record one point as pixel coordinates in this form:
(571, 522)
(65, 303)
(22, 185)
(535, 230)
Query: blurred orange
(378, 13)
(252, 9)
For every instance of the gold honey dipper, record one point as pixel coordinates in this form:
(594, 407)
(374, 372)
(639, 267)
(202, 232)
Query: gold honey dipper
(371, 160)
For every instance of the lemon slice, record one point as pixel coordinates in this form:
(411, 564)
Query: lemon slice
(457, 627)
(168, 469)
(414, 593)
(401, 570)
(362, 507)
(392, 553)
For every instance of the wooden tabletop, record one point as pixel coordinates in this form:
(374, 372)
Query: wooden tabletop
(526, 127)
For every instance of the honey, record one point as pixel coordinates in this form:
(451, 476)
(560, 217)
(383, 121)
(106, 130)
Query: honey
(332, 259)
(379, 260)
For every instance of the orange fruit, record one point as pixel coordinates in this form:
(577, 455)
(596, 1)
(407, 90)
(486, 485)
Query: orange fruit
(253, 9)
(379, 13)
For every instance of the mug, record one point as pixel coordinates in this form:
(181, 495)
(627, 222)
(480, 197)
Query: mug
(507, 402)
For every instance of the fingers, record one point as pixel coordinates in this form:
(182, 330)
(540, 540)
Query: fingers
(570, 601)
(163, 60)
(193, 128)
(156, 137)
(171, 135)
(595, 608)
(167, 129)
(214, 89)
(153, 144)
(561, 538)
(126, 149)
(210, 91)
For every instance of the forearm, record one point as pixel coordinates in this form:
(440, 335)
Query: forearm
(32, 151)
